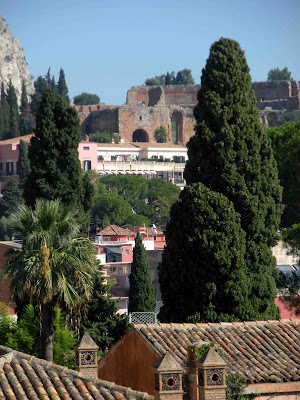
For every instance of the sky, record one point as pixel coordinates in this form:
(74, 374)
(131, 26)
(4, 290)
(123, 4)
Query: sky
(106, 47)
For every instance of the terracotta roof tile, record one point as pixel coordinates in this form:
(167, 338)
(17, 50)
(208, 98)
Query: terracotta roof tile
(261, 351)
(116, 230)
(25, 377)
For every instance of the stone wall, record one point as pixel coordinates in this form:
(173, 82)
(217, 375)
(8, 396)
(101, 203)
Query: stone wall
(101, 120)
(148, 107)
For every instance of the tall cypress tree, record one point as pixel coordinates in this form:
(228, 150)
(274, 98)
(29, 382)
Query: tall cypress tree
(141, 292)
(13, 130)
(26, 120)
(53, 154)
(231, 154)
(40, 86)
(4, 114)
(23, 164)
(62, 88)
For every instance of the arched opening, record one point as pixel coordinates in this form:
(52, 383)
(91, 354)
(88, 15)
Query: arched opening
(140, 135)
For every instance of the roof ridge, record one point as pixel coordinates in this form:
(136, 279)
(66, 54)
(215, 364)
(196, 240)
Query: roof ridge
(203, 324)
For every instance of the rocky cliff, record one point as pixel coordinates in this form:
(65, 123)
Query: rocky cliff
(12, 61)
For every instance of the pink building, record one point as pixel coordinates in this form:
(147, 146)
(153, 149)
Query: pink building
(115, 252)
(9, 154)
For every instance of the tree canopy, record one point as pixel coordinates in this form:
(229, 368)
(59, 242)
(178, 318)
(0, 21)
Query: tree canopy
(161, 134)
(151, 198)
(231, 155)
(85, 99)
(141, 292)
(277, 74)
(54, 265)
(183, 77)
(11, 198)
(103, 137)
(203, 262)
(286, 146)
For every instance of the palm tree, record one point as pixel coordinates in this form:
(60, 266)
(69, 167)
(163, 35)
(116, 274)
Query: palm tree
(54, 266)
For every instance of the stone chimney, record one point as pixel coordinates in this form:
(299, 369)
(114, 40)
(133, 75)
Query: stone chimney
(86, 356)
(192, 372)
(211, 376)
(167, 379)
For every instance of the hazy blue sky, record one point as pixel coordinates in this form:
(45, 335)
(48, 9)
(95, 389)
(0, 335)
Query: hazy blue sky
(105, 47)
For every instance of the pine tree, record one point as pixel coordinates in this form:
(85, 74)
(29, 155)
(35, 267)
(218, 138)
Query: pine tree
(141, 292)
(101, 321)
(26, 119)
(53, 154)
(231, 154)
(202, 273)
(62, 88)
(13, 130)
(23, 164)
(4, 114)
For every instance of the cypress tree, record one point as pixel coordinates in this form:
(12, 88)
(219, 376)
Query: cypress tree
(62, 88)
(40, 85)
(231, 155)
(168, 79)
(13, 130)
(23, 164)
(141, 292)
(4, 114)
(25, 114)
(202, 273)
(55, 167)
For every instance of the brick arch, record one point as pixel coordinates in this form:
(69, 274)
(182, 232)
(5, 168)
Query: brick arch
(140, 135)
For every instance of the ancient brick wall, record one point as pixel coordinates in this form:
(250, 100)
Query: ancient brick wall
(102, 120)
(181, 94)
(149, 107)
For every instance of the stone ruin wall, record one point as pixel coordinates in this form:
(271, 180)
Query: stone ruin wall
(148, 107)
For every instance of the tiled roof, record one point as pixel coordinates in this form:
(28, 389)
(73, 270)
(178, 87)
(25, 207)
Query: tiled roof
(261, 351)
(115, 230)
(17, 140)
(26, 377)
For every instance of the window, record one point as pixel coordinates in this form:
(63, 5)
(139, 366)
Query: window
(106, 239)
(141, 117)
(86, 148)
(154, 237)
(87, 165)
(1, 166)
(127, 252)
(127, 237)
(9, 168)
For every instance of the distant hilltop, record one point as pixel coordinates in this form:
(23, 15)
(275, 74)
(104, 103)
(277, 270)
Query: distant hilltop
(13, 64)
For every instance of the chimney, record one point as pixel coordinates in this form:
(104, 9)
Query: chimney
(167, 379)
(86, 356)
(211, 376)
(192, 369)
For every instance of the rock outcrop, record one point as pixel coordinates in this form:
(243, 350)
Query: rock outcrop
(13, 65)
